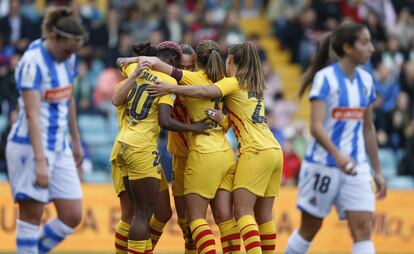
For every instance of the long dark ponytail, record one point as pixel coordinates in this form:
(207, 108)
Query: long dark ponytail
(346, 33)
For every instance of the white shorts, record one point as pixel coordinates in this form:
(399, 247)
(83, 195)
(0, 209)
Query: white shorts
(64, 181)
(321, 187)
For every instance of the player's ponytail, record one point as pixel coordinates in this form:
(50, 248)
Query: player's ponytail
(320, 60)
(249, 70)
(346, 33)
(144, 49)
(209, 59)
(63, 22)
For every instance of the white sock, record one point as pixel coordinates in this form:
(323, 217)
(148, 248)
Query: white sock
(296, 244)
(52, 234)
(26, 237)
(363, 247)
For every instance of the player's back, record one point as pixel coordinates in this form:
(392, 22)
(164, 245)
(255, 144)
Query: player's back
(178, 141)
(140, 128)
(216, 140)
(246, 111)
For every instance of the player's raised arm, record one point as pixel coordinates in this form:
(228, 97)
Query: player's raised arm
(167, 122)
(121, 94)
(202, 92)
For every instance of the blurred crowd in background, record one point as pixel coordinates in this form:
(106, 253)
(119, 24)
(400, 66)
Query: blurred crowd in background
(297, 24)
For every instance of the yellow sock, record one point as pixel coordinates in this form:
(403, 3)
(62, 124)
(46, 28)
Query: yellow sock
(268, 237)
(250, 233)
(190, 247)
(156, 228)
(137, 247)
(203, 236)
(230, 236)
(148, 247)
(121, 237)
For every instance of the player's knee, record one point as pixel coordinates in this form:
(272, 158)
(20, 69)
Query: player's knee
(222, 214)
(310, 229)
(72, 219)
(362, 230)
(164, 215)
(32, 216)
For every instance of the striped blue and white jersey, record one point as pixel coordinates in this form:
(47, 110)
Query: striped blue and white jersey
(346, 101)
(37, 70)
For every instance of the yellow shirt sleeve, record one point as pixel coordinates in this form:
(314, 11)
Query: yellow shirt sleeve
(228, 86)
(127, 70)
(190, 78)
(168, 98)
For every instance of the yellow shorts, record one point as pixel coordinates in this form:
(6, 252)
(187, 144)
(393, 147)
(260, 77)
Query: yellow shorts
(260, 172)
(207, 172)
(138, 164)
(119, 183)
(178, 166)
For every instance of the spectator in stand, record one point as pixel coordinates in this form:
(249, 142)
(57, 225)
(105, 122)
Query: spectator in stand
(172, 25)
(404, 30)
(301, 37)
(205, 30)
(383, 8)
(82, 89)
(377, 30)
(387, 88)
(137, 25)
(407, 82)
(16, 27)
(281, 12)
(231, 31)
(9, 94)
(400, 119)
(392, 57)
(291, 161)
(326, 9)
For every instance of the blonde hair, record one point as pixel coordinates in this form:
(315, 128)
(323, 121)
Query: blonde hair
(209, 59)
(249, 69)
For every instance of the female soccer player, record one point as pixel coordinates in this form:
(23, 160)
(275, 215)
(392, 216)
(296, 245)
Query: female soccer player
(258, 173)
(336, 170)
(210, 166)
(178, 147)
(162, 210)
(41, 162)
(139, 157)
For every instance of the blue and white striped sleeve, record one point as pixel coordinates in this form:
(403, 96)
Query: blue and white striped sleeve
(28, 75)
(320, 88)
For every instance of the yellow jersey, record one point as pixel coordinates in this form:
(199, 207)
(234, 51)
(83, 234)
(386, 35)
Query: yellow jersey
(140, 127)
(201, 143)
(120, 110)
(178, 141)
(247, 116)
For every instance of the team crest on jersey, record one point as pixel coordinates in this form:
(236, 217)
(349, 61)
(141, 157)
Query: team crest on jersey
(59, 94)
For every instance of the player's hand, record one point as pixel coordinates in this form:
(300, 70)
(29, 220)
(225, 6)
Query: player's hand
(159, 89)
(202, 126)
(381, 185)
(143, 65)
(124, 61)
(42, 173)
(215, 114)
(78, 153)
(346, 164)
